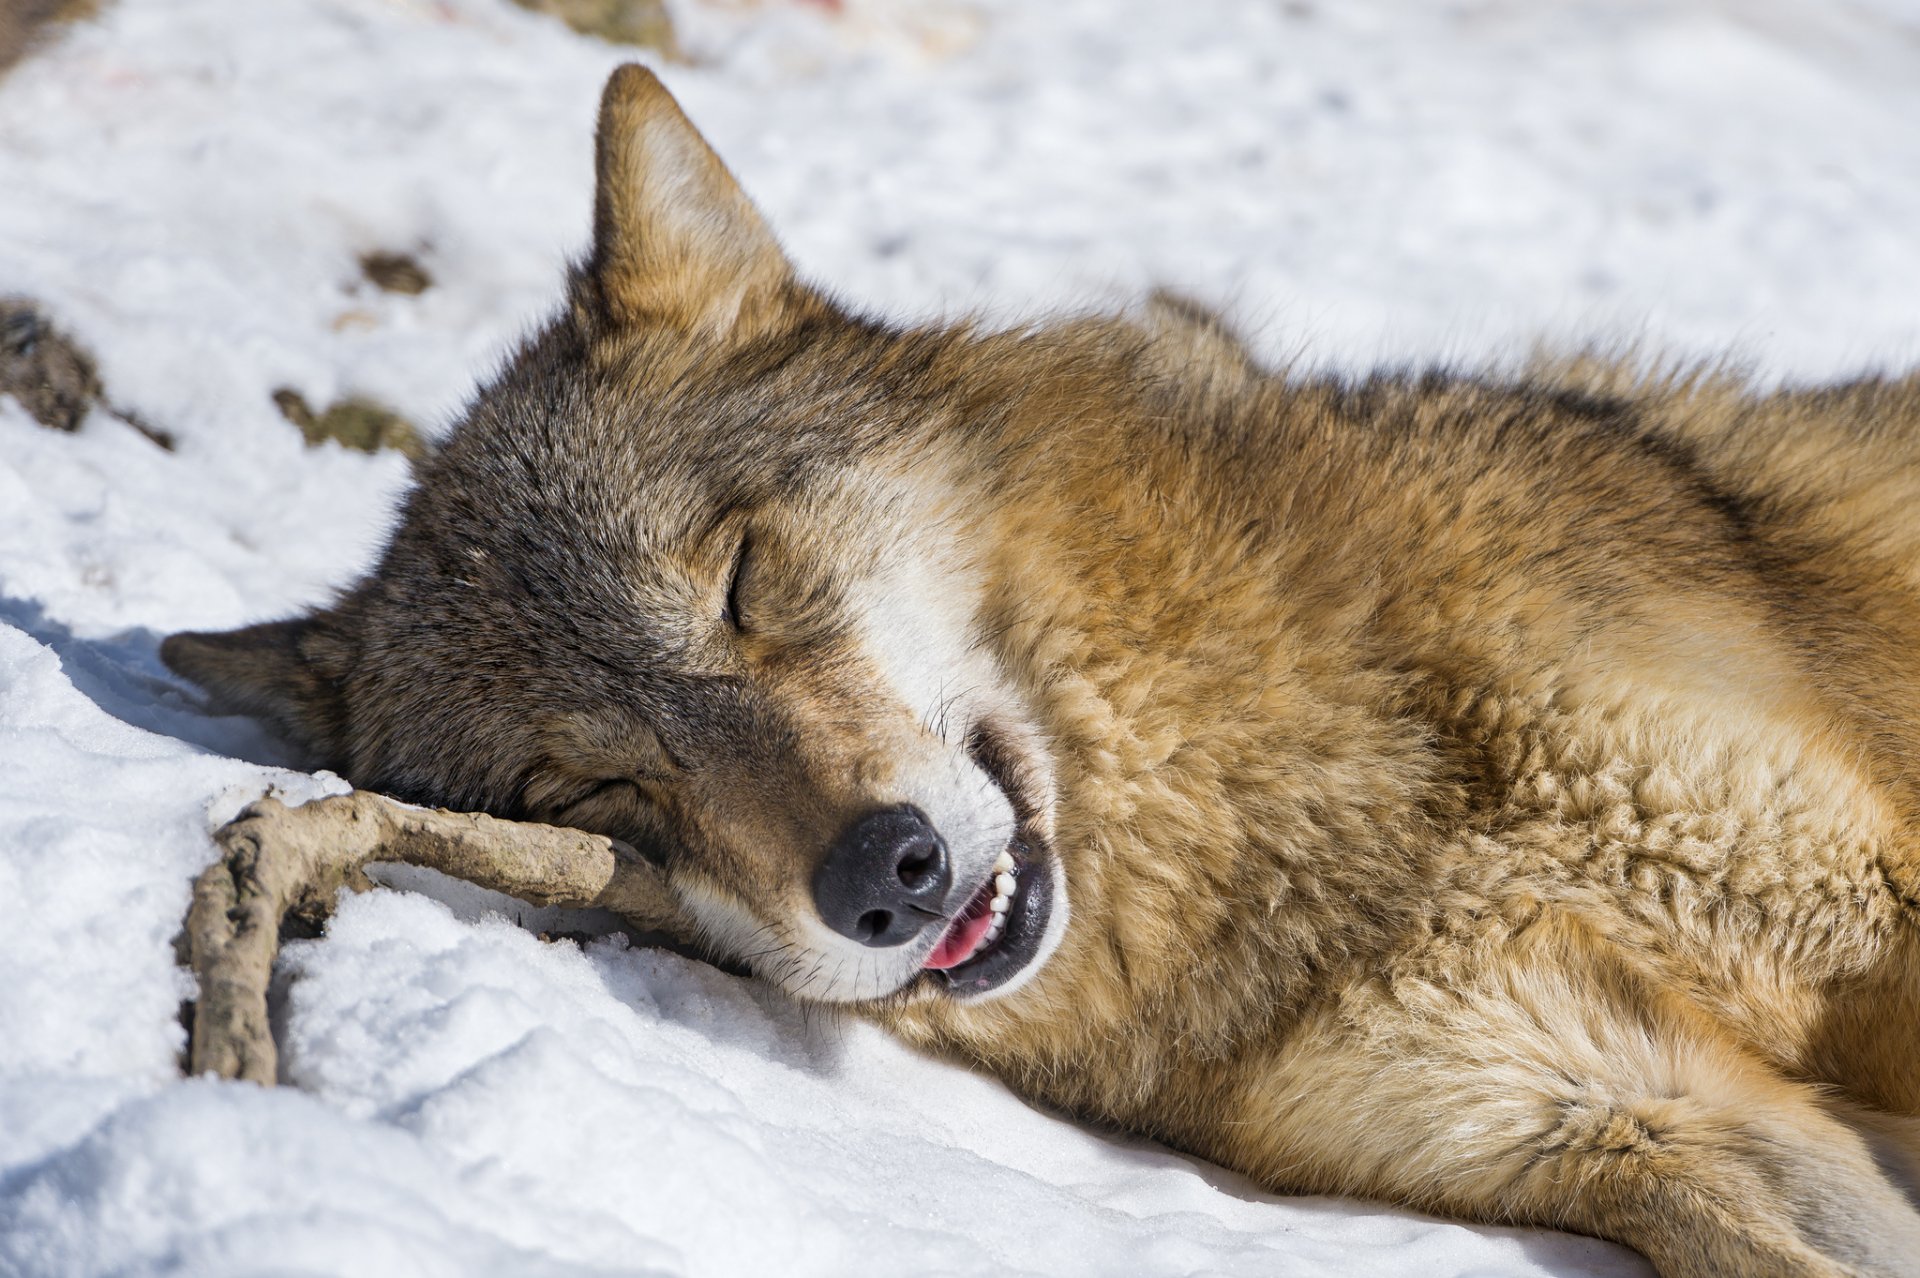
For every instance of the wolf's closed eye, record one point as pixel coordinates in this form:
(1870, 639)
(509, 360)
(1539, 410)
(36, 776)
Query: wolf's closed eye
(582, 805)
(620, 808)
(732, 611)
(621, 787)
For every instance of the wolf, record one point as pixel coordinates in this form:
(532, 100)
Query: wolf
(1499, 796)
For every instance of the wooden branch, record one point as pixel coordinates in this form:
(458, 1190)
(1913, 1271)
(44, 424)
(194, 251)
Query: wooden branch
(275, 859)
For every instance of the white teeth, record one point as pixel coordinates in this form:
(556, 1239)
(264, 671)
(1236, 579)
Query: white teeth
(1004, 883)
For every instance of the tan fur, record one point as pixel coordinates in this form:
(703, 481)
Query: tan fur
(1501, 798)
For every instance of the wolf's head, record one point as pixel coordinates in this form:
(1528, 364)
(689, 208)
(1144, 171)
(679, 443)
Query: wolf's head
(701, 571)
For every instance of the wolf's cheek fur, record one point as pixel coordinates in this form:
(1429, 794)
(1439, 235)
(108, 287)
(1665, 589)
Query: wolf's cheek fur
(914, 621)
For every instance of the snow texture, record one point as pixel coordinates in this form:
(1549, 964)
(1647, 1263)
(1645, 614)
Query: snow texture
(187, 186)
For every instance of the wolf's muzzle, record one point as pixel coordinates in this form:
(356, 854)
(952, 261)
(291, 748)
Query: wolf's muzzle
(884, 878)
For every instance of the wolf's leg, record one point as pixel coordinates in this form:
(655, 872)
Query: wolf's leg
(1538, 1081)
(276, 859)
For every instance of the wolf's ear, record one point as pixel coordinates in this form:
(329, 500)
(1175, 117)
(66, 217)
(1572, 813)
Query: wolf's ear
(675, 239)
(287, 672)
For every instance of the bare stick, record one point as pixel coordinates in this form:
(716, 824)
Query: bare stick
(275, 858)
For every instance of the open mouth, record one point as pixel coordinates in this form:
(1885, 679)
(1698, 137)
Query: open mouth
(1002, 927)
(977, 928)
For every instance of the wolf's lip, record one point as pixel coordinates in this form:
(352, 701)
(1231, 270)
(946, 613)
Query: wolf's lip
(971, 958)
(1000, 960)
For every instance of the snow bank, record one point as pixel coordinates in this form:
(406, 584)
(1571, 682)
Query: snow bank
(187, 186)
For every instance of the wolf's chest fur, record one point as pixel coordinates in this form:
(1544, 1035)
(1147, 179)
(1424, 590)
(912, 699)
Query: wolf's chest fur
(1498, 797)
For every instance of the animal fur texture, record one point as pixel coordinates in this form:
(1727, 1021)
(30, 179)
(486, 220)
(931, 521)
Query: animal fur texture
(1497, 797)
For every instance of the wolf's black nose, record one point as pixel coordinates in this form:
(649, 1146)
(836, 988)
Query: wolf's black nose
(884, 878)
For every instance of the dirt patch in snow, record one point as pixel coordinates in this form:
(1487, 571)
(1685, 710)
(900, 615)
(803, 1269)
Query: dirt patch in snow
(354, 422)
(396, 273)
(643, 23)
(23, 23)
(55, 378)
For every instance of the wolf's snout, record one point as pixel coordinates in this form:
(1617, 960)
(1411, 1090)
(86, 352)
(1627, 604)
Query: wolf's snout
(884, 878)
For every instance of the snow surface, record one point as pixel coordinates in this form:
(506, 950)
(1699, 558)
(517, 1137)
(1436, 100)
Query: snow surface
(187, 185)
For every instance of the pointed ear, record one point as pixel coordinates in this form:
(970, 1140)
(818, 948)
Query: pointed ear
(287, 672)
(675, 239)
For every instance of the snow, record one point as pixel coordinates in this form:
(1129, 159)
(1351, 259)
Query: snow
(186, 185)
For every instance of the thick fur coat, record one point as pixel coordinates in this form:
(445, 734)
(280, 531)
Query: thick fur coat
(1497, 797)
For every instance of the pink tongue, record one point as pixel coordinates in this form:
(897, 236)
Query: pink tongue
(964, 934)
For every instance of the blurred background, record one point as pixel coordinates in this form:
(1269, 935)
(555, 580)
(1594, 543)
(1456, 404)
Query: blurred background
(254, 255)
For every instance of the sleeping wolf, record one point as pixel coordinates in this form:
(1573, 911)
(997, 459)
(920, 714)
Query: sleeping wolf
(1501, 798)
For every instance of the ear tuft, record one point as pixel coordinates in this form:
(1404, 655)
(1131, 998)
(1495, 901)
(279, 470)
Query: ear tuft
(675, 239)
(287, 672)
